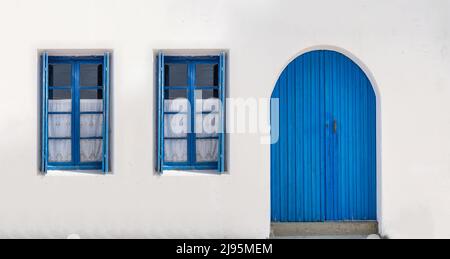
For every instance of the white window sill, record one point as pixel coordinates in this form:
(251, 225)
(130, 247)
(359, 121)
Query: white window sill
(191, 173)
(75, 173)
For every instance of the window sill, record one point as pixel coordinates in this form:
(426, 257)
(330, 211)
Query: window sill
(75, 173)
(191, 173)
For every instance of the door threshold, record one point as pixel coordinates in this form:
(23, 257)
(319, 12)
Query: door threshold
(313, 229)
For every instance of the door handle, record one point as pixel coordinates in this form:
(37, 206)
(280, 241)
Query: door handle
(334, 126)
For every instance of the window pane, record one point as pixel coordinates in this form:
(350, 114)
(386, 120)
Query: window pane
(175, 125)
(59, 125)
(175, 150)
(60, 75)
(60, 150)
(208, 105)
(175, 94)
(207, 150)
(91, 100)
(207, 125)
(60, 100)
(91, 94)
(176, 75)
(59, 94)
(91, 125)
(207, 75)
(91, 75)
(91, 150)
(177, 105)
(206, 94)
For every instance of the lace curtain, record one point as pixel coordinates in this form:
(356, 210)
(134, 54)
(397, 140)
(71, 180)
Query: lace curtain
(176, 125)
(60, 126)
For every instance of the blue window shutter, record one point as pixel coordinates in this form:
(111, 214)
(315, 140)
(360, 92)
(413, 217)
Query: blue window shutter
(106, 73)
(160, 101)
(222, 135)
(44, 117)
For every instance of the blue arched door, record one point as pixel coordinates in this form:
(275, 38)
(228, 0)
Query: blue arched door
(323, 167)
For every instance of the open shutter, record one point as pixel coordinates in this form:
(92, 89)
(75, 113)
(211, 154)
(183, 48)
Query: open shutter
(222, 135)
(44, 107)
(106, 74)
(160, 115)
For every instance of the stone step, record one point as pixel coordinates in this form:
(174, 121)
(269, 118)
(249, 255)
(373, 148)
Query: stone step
(359, 228)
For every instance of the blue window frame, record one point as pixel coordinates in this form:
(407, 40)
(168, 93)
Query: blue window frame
(191, 113)
(75, 113)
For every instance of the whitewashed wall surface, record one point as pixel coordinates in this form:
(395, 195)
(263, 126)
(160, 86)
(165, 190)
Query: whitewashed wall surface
(403, 44)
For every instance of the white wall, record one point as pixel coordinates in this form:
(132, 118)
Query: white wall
(404, 43)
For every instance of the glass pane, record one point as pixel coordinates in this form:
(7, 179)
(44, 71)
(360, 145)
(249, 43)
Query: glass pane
(207, 125)
(176, 75)
(175, 94)
(59, 94)
(208, 105)
(91, 150)
(207, 75)
(175, 125)
(207, 94)
(60, 100)
(91, 94)
(60, 150)
(91, 105)
(91, 100)
(60, 75)
(91, 125)
(175, 150)
(176, 105)
(207, 150)
(91, 75)
(59, 125)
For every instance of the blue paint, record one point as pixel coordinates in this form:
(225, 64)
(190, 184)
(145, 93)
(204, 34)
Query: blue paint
(74, 87)
(323, 168)
(44, 106)
(106, 115)
(191, 62)
(160, 111)
(222, 114)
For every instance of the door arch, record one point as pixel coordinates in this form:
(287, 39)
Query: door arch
(323, 167)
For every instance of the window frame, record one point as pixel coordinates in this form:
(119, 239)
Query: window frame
(191, 164)
(75, 88)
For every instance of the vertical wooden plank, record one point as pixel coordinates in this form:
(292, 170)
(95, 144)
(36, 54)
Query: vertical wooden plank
(306, 137)
(298, 139)
(284, 156)
(290, 98)
(364, 143)
(373, 154)
(335, 115)
(328, 159)
(322, 137)
(313, 134)
(275, 164)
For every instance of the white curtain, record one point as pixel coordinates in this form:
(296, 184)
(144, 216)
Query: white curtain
(60, 126)
(91, 150)
(91, 125)
(207, 150)
(88, 105)
(176, 125)
(60, 150)
(175, 150)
